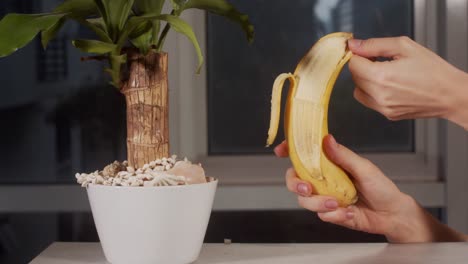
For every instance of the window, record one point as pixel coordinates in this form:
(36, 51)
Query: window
(240, 81)
(60, 120)
(52, 63)
(223, 114)
(21, 6)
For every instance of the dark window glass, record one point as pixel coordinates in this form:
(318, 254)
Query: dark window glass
(52, 63)
(59, 115)
(240, 76)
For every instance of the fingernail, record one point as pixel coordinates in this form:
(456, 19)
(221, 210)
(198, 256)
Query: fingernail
(331, 204)
(303, 189)
(354, 43)
(349, 215)
(333, 142)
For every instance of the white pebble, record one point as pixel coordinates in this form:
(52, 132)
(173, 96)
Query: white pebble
(134, 184)
(99, 179)
(151, 174)
(121, 174)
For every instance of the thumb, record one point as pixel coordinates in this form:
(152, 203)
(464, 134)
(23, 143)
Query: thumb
(357, 166)
(379, 47)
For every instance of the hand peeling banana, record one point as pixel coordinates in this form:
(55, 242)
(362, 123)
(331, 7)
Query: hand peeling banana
(306, 116)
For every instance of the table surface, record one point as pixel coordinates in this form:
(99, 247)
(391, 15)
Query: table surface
(453, 253)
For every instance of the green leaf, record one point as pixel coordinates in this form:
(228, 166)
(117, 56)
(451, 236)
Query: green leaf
(102, 10)
(94, 46)
(97, 22)
(17, 30)
(97, 26)
(140, 29)
(78, 8)
(115, 14)
(178, 5)
(149, 6)
(145, 40)
(225, 9)
(74, 9)
(141, 37)
(177, 24)
(116, 62)
(50, 33)
(184, 28)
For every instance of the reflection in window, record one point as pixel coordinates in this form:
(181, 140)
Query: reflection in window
(52, 63)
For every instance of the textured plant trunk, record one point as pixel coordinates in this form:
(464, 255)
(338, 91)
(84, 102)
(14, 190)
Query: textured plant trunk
(146, 93)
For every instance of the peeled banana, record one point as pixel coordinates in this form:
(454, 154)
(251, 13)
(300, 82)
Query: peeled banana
(306, 116)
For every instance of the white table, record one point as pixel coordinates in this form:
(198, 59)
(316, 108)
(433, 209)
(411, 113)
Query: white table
(445, 253)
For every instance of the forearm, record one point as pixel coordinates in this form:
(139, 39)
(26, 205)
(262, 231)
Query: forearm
(458, 102)
(416, 225)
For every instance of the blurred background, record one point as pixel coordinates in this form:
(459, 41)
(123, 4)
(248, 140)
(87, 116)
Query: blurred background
(59, 116)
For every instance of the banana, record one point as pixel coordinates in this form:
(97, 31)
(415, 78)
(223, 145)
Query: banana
(306, 116)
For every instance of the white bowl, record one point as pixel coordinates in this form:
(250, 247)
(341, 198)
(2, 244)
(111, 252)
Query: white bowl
(148, 225)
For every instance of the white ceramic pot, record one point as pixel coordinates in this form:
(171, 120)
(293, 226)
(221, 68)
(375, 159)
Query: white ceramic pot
(148, 225)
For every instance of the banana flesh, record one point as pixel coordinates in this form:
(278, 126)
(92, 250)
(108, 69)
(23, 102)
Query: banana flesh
(306, 116)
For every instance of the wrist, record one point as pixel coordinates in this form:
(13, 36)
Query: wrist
(413, 224)
(457, 111)
(407, 223)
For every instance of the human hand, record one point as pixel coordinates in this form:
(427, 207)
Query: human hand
(415, 83)
(381, 208)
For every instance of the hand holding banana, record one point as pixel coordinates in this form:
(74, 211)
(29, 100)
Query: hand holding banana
(414, 83)
(381, 208)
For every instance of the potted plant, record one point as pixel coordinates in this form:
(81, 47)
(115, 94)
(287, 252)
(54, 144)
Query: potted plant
(136, 224)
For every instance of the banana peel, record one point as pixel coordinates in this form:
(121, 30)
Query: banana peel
(306, 116)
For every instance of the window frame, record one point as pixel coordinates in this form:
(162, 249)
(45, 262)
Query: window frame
(456, 139)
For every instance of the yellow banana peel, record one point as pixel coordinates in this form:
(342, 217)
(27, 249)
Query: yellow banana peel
(306, 116)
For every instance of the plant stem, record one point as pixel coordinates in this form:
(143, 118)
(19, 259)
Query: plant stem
(147, 100)
(155, 32)
(115, 65)
(163, 35)
(162, 38)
